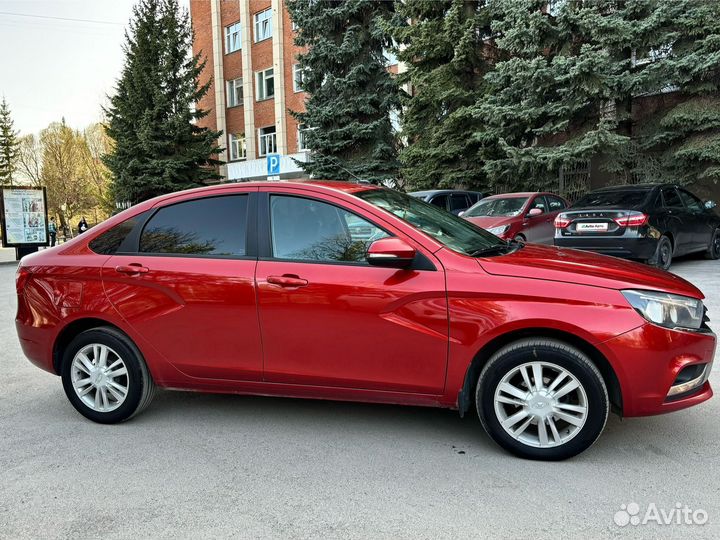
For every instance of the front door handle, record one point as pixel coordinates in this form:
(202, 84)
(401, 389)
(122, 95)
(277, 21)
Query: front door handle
(287, 280)
(132, 269)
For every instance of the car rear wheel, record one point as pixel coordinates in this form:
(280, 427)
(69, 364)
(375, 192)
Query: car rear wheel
(663, 254)
(713, 251)
(542, 399)
(105, 377)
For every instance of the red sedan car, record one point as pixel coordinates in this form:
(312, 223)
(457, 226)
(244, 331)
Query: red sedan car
(518, 216)
(354, 292)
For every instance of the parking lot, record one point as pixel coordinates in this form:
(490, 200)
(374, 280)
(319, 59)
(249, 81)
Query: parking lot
(196, 465)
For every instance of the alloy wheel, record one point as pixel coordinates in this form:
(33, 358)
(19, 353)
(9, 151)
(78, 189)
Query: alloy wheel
(99, 377)
(541, 404)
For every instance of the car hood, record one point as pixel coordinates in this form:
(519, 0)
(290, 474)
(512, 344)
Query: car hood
(573, 266)
(487, 222)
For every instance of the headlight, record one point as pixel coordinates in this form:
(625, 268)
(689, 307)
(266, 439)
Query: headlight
(668, 310)
(497, 231)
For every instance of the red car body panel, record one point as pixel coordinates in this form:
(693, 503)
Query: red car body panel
(350, 331)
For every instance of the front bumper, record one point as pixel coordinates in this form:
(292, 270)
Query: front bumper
(628, 248)
(647, 362)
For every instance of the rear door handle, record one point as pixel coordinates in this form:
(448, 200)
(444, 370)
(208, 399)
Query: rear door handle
(132, 269)
(287, 280)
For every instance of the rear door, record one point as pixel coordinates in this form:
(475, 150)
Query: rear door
(700, 221)
(184, 279)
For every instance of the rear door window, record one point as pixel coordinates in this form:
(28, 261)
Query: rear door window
(671, 198)
(210, 227)
(458, 201)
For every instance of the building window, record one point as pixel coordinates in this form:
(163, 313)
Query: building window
(235, 92)
(263, 25)
(238, 149)
(302, 131)
(298, 78)
(232, 38)
(268, 141)
(265, 84)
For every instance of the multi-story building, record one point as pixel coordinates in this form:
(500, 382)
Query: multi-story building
(251, 62)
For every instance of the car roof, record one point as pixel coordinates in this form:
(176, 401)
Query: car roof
(518, 194)
(442, 191)
(631, 187)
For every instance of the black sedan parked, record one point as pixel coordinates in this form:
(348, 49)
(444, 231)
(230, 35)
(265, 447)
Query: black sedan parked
(649, 222)
(452, 200)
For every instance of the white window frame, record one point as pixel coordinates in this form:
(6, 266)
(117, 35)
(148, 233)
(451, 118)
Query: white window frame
(298, 78)
(267, 142)
(233, 36)
(237, 146)
(233, 86)
(301, 137)
(263, 25)
(261, 86)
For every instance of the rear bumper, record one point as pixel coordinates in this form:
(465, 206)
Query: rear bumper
(647, 361)
(629, 248)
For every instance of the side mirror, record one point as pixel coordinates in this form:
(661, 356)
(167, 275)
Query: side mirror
(710, 205)
(461, 213)
(391, 252)
(534, 212)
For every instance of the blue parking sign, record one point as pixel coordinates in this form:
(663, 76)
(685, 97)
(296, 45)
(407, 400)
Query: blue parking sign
(273, 164)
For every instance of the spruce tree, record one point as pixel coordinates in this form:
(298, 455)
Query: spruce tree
(152, 117)
(446, 47)
(9, 145)
(552, 89)
(351, 93)
(684, 139)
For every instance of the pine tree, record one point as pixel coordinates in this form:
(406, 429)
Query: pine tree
(445, 45)
(9, 145)
(351, 93)
(159, 148)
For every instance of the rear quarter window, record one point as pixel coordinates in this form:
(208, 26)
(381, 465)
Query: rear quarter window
(109, 242)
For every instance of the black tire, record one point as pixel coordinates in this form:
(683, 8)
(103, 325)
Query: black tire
(140, 386)
(558, 354)
(662, 258)
(713, 250)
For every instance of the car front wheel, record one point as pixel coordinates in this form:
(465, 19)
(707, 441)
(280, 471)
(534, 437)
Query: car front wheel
(105, 377)
(542, 399)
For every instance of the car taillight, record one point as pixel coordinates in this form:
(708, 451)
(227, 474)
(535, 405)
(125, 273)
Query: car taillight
(21, 278)
(632, 219)
(562, 221)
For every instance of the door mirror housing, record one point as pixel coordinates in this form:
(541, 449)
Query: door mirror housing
(710, 205)
(391, 252)
(534, 212)
(460, 213)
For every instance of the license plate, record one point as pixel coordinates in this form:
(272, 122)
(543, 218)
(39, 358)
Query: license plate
(591, 227)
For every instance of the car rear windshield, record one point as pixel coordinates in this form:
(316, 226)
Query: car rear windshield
(625, 199)
(504, 207)
(455, 233)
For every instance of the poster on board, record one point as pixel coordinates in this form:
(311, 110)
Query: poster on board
(24, 216)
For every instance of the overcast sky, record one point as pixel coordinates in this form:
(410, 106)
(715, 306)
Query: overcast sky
(52, 68)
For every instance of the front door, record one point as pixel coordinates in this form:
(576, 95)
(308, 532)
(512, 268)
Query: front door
(188, 288)
(330, 319)
(539, 228)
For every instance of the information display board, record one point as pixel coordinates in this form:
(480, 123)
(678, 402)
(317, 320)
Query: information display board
(24, 216)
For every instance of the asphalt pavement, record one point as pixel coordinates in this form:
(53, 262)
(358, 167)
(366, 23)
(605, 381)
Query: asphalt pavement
(201, 466)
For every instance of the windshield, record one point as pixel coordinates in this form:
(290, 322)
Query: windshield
(612, 198)
(451, 231)
(505, 207)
